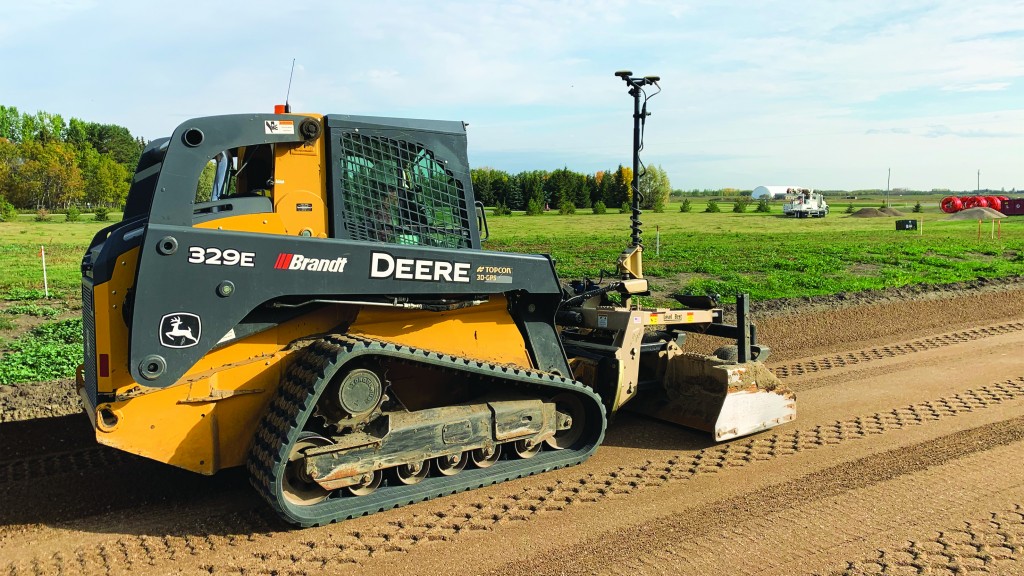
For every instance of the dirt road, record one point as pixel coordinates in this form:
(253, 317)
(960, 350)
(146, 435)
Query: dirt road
(905, 458)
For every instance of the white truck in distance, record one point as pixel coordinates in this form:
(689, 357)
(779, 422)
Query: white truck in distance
(803, 203)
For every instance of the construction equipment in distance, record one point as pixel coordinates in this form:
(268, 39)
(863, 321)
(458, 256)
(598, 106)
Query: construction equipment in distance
(323, 314)
(804, 203)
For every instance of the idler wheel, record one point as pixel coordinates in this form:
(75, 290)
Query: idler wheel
(568, 406)
(297, 487)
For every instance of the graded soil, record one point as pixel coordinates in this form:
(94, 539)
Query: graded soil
(904, 459)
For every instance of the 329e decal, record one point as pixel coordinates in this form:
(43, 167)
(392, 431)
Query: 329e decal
(218, 257)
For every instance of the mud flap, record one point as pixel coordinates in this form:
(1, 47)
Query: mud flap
(728, 400)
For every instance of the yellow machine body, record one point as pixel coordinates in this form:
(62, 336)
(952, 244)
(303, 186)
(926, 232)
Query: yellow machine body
(325, 316)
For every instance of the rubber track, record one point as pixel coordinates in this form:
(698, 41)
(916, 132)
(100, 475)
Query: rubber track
(307, 377)
(872, 354)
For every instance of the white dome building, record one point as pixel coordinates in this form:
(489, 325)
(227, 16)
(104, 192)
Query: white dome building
(772, 192)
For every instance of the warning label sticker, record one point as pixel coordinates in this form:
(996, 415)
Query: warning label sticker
(279, 127)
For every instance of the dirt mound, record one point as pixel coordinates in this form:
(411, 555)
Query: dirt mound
(910, 292)
(39, 400)
(869, 213)
(979, 213)
(876, 213)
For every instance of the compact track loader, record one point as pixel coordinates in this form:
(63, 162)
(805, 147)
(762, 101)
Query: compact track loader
(323, 314)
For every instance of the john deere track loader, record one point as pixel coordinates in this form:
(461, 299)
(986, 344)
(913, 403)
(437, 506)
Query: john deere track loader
(323, 314)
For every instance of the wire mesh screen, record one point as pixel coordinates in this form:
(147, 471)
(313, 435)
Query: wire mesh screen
(397, 192)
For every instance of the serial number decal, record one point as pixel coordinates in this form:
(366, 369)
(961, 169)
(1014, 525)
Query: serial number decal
(494, 274)
(384, 265)
(218, 257)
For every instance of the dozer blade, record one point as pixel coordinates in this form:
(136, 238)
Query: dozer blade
(728, 400)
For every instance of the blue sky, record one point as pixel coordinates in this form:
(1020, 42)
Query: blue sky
(822, 94)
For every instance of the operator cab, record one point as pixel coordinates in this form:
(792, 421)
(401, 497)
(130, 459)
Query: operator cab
(236, 182)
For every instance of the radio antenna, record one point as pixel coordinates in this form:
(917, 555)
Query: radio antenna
(636, 89)
(287, 107)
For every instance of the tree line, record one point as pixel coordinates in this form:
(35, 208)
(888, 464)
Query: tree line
(47, 162)
(536, 190)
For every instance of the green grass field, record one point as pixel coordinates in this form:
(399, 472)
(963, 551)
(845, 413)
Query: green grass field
(769, 255)
(65, 244)
(766, 255)
(41, 338)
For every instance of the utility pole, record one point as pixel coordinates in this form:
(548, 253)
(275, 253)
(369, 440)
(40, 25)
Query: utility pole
(979, 181)
(887, 180)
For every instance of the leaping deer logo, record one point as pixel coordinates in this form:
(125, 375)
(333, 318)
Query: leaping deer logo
(177, 332)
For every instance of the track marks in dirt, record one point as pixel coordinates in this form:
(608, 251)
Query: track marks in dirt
(310, 555)
(678, 543)
(982, 544)
(482, 515)
(309, 551)
(139, 554)
(55, 464)
(879, 353)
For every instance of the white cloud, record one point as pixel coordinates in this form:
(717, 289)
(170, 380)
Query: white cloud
(815, 89)
(981, 87)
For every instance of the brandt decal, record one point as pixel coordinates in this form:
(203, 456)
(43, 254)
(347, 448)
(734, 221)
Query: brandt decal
(287, 261)
(180, 330)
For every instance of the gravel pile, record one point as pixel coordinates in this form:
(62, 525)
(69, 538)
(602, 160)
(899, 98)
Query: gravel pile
(876, 213)
(869, 213)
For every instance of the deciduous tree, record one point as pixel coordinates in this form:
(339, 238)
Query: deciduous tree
(654, 189)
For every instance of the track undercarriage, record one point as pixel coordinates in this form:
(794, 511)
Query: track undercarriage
(343, 437)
